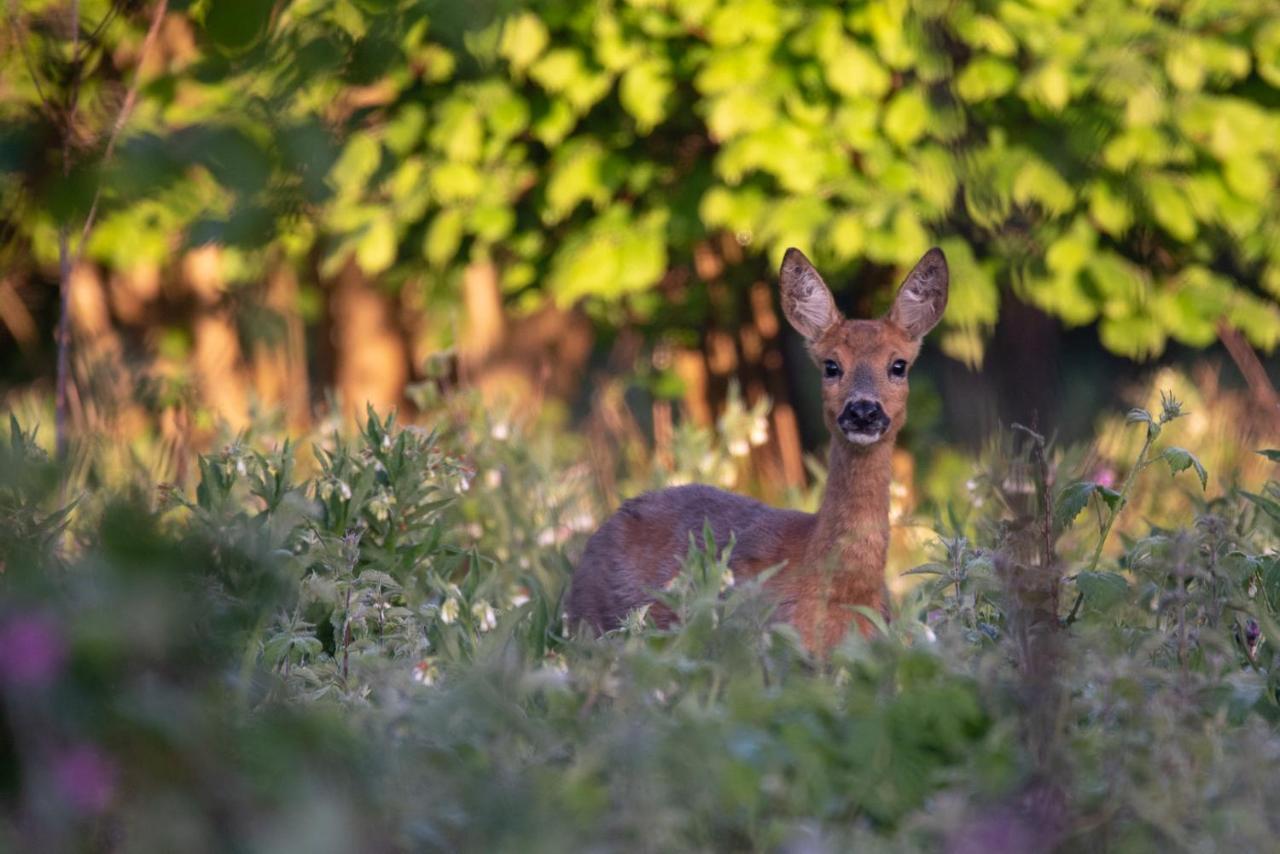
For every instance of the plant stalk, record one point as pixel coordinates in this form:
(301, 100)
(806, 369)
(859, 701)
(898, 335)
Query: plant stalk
(1124, 497)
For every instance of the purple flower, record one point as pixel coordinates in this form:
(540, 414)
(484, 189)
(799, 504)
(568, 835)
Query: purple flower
(85, 777)
(1105, 476)
(31, 652)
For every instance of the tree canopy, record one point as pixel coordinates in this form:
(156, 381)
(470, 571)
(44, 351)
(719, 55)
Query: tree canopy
(1112, 162)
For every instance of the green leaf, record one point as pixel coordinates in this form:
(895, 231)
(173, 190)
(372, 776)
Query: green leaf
(443, 238)
(1170, 208)
(524, 38)
(1112, 497)
(985, 78)
(236, 25)
(906, 117)
(1102, 590)
(644, 91)
(1038, 182)
(577, 175)
(929, 569)
(1271, 454)
(1180, 459)
(1073, 498)
(356, 165)
(853, 71)
(1268, 505)
(376, 247)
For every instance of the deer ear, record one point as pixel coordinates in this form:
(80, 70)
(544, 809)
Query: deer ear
(923, 295)
(806, 300)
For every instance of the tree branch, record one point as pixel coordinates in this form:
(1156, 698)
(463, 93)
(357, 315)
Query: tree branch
(1251, 368)
(126, 108)
(67, 261)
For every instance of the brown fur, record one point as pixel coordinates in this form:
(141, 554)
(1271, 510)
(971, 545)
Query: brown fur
(833, 559)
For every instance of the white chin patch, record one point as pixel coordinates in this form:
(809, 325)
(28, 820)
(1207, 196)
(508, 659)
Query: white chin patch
(863, 438)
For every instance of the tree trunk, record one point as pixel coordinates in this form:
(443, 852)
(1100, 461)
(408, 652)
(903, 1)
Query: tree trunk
(217, 361)
(371, 360)
(280, 367)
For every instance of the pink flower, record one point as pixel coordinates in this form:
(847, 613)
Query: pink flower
(1105, 476)
(31, 652)
(85, 777)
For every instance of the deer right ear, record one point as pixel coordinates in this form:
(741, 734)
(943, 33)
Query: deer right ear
(806, 300)
(923, 296)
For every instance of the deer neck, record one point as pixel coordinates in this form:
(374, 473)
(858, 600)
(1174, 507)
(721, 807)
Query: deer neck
(853, 522)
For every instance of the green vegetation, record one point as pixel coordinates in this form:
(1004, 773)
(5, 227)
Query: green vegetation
(370, 656)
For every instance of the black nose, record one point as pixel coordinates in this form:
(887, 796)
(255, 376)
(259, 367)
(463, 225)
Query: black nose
(863, 416)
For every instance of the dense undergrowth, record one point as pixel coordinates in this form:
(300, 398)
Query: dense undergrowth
(362, 650)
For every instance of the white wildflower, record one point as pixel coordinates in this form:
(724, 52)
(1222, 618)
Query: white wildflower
(707, 463)
(241, 468)
(501, 431)
(486, 618)
(380, 505)
(518, 596)
(449, 611)
(739, 448)
(930, 635)
(344, 490)
(425, 673)
(759, 432)
(726, 579)
(546, 537)
(493, 478)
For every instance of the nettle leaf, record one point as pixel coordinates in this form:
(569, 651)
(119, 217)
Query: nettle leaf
(1138, 414)
(1073, 498)
(1102, 590)
(1112, 497)
(1180, 459)
(1268, 505)
(929, 569)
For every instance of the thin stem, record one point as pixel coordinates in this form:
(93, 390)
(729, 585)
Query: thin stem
(61, 413)
(126, 109)
(1124, 495)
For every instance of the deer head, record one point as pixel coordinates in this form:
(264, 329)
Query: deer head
(864, 363)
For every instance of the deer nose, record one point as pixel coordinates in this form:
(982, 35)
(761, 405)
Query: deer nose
(863, 416)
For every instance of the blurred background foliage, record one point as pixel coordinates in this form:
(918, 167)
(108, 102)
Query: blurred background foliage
(290, 198)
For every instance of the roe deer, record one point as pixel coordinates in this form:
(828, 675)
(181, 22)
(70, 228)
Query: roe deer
(831, 560)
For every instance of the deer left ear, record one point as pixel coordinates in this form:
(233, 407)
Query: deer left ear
(923, 295)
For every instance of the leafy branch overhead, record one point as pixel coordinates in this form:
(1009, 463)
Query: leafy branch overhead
(589, 148)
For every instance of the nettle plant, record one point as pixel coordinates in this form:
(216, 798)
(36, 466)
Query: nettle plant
(1198, 601)
(377, 572)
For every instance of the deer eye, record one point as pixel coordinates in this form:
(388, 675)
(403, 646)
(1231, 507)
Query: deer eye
(830, 369)
(898, 368)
